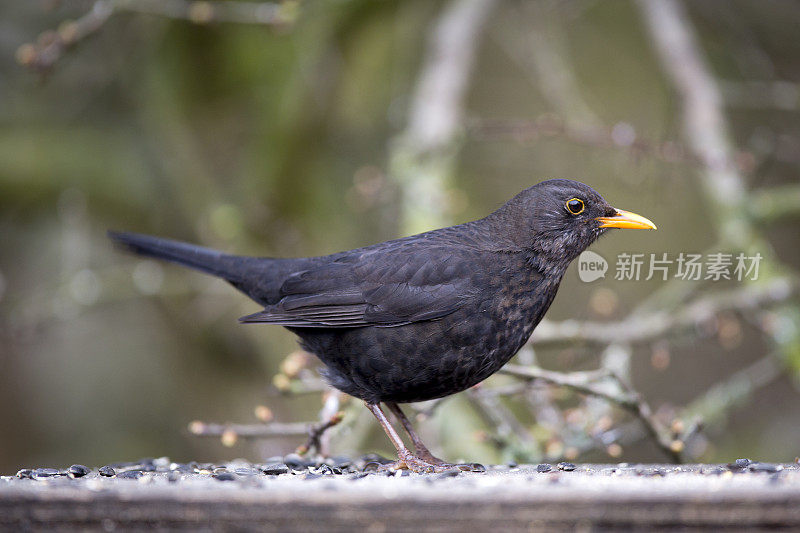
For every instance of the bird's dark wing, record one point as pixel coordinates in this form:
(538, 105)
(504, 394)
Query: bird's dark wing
(374, 288)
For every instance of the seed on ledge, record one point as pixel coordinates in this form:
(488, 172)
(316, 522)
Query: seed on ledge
(44, 473)
(130, 474)
(274, 469)
(25, 473)
(76, 471)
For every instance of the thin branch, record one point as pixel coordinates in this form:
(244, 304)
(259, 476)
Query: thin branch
(230, 433)
(319, 438)
(590, 383)
(649, 326)
(713, 403)
(582, 382)
(204, 11)
(52, 45)
(621, 136)
(317, 433)
(250, 431)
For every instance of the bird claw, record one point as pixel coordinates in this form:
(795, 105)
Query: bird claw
(427, 465)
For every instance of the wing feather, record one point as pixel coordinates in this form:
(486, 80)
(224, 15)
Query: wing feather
(374, 288)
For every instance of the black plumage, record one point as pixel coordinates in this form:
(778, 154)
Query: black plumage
(424, 316)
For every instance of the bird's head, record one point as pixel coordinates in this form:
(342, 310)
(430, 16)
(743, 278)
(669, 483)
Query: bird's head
(560, 218)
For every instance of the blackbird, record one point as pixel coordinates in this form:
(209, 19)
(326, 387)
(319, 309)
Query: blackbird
(424, 316)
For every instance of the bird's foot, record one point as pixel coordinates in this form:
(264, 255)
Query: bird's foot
(428, 464)
(428, 457)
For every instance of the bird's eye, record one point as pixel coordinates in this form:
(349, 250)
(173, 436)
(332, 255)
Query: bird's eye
(575, 206)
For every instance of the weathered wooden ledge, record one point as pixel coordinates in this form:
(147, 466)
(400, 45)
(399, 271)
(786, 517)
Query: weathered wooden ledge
(650, 497)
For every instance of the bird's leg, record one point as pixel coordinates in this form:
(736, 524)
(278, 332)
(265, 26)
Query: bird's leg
(419, 447)
(406, 459)
(422, 451)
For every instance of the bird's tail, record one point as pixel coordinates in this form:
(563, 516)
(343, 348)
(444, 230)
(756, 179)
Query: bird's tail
(258, 277)
(196, 257)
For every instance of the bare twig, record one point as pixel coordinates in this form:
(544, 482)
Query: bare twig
(649, 326)
(319, 438)
(591, 383)
(585, 382)
(621, 136)
(205, 11)
(230, 433)
(250, 431)
(316, 434)
(52, 45)
(712, 405)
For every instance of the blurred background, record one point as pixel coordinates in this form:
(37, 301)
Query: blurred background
(306, 128)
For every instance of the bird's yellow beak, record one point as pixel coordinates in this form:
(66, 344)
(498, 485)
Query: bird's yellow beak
(626, 219)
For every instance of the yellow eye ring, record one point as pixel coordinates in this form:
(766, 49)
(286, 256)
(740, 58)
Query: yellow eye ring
(575, 206)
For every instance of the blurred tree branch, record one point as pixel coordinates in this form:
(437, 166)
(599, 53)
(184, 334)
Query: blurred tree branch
(647, 327)
(776, 202)
(756, 94)
(422, 157)
(229, 434)
(52, 45)
(621, 136)
(531, 36)
(208, 11)
(595, 383)
(705, 125)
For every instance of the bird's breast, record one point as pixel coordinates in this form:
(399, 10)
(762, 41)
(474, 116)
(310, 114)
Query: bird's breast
(434, 358)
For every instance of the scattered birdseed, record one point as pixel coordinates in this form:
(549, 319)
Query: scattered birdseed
(450, 472)
(764, 467)
(566, 467)
(107, 471)
(43, 473)
(76, 471)
(130, 474)
(544, 467)
(274, 469)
